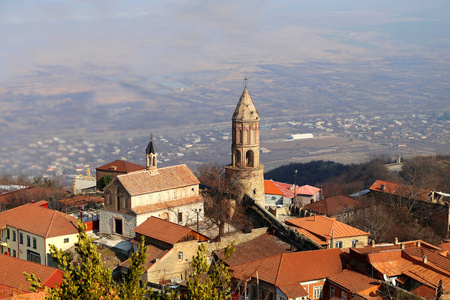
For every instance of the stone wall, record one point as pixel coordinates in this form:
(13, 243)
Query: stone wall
(107, 222)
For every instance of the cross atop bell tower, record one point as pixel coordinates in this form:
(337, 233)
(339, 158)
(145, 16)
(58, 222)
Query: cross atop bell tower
(245, 167)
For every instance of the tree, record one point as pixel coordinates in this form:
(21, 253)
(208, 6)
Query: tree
(86, 278)
(212, 286)
(220, 207)
(104, 181)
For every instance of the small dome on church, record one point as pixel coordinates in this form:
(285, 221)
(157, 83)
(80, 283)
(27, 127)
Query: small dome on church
(245, 109)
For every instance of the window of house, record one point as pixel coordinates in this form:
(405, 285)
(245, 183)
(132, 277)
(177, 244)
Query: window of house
(180, 217)
(180, 255)
(317, 293)
(7, 233)
(343, 296)
(28, 241)
(66, 240)
(14, 254)
(34, 243)
(33, 256)
(21, 238)
(14, 235)
(338, 245)
(354, 243)
(331, 292)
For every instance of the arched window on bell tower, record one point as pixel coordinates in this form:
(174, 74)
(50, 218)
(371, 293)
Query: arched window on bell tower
(237, 158)
(249, 159)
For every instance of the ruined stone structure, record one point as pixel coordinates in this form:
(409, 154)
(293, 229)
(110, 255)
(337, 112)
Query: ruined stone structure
(245, 174)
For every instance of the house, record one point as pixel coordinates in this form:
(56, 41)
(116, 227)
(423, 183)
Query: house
(339, 207)
(273, 194)
(13, 282)
(297, 275)
(350, 284)
(27, 232)
(279, 193)
(329, 233)
(170, 250)
(113, 169)
(414, 266)
(171, 193)
(84, 183)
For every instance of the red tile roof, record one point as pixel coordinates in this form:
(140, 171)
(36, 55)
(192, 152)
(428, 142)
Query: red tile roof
(407, 191)
(260, 247)
(288, 189)
(39, 220)
(167, 204)
(11, 273)
(153, 252)
(332, 206)
(271, 189)
(307, 190)
(121, 166)
(354, 282)
(143, 182)
(165, 231)
(285, 270)
(322, 227)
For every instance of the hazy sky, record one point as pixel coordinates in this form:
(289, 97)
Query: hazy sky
(169, 37)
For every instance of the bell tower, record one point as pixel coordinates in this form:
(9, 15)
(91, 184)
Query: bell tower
(152, 157)
(245, 171)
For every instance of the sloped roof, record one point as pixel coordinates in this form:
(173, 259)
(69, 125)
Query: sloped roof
(12, 268)
(167, 204)
(285, 270)
(354, 282)
(245, 109)
(121, 166)
(323, 226)
(271, 188)
(332, 206)
(151, 148)
(39, 220)
(262, 246)
(307, 190)
(144, 182)
(153, 252)
(406, 191)
(165, 231)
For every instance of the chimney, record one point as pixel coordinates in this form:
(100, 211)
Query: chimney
(332, 238)
(396, 241)
(418, 244)
(425, 259)
(402, 246)
(382, 188)
(399, 159)
(372, 243)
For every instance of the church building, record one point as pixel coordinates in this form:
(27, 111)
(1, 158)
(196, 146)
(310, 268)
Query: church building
(245, 172)
(170, 193)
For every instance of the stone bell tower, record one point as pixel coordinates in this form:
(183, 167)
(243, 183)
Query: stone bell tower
(245, 172)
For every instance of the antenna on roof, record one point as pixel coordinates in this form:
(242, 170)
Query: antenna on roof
(245, 82)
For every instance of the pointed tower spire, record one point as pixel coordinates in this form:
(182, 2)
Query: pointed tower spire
(152, 156)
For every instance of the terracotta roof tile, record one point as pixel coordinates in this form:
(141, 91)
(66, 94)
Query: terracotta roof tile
(260, 247)
(332, 206)
(39, 220)
(163, 230)
(293, 290)
(167, 204)
(354, 282)
(407, 191)
(153, 252)
(11, 273)
(271, 188)
(293, 268)
(322, 226)
(307, 190)
(121, 166)
(143, 182)
(288, 189)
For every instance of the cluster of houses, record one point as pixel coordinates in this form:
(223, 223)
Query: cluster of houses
(163, 205)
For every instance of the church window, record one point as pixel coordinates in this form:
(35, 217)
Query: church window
(249, 158)
(237, 158)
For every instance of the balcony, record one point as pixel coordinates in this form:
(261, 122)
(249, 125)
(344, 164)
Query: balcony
(4, 242)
